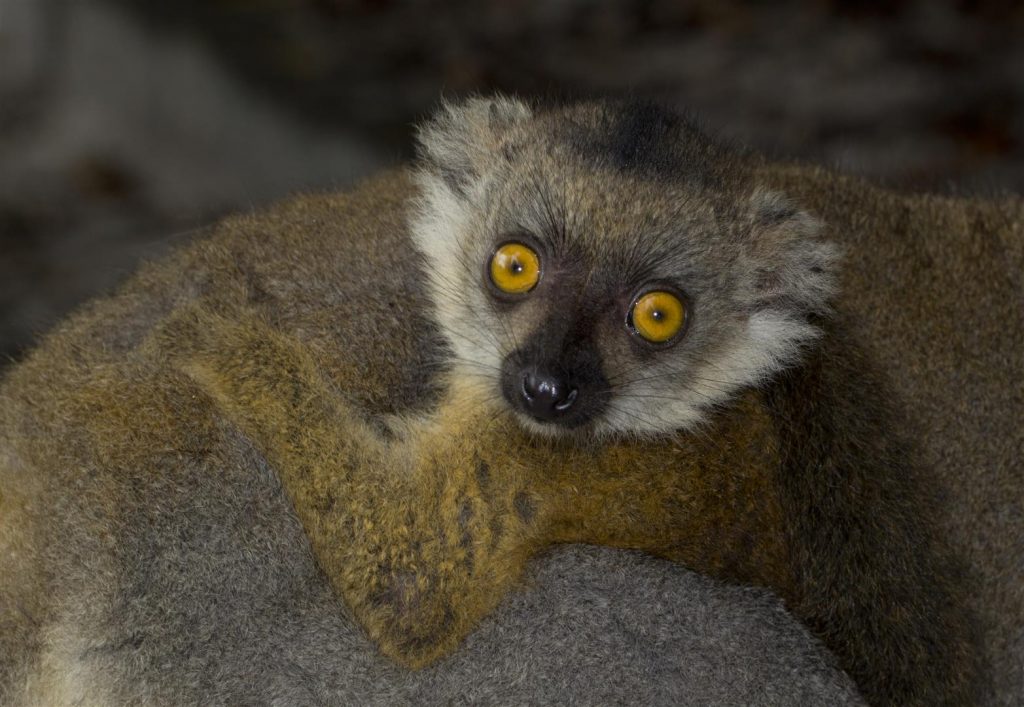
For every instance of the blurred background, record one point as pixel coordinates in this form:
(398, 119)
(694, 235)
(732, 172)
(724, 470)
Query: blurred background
(126, 125)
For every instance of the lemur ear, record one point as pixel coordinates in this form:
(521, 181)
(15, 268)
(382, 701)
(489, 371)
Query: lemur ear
(793, 268)
(456, 144)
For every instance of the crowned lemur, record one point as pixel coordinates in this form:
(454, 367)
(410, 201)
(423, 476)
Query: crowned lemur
(585, 323)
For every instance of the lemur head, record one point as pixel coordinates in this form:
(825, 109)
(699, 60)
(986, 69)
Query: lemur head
(606, 266)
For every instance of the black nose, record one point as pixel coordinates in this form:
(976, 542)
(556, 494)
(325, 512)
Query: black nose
(547, 396)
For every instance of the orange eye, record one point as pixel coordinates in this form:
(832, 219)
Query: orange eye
(515, 268)
(657, 316)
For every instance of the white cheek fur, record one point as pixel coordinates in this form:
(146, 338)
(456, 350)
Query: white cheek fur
(770, 341)
(437, 222)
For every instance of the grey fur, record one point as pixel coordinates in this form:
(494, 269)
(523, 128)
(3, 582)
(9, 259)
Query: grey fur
(220, 602)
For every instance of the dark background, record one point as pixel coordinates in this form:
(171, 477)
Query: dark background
(127, 124)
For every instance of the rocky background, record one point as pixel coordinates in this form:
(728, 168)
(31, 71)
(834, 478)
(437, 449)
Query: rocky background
(127, 124)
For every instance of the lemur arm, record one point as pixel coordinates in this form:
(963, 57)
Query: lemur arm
(416, 530)
(424, 529)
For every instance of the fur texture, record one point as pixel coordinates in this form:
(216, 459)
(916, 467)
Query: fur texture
(152, 554)
(422, 530)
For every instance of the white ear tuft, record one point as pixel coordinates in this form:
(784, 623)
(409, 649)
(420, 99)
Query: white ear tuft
(789, 277)
(459, 140)
(791, 270)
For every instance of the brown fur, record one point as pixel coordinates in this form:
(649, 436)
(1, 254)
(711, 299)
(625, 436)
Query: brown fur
(404, 527)
(933, 285)
(799, 487)
(421, 544)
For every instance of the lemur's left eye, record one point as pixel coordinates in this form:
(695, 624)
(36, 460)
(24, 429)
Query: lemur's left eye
(515, 268)
(657, 316)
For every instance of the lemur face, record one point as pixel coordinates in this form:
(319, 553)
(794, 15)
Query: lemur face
(607, 268)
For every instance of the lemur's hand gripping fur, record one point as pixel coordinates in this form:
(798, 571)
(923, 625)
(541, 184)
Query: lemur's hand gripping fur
(423, 528)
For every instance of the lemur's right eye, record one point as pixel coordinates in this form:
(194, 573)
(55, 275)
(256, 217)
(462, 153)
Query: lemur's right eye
(515, 268)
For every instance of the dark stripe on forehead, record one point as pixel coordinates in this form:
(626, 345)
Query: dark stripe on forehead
(641, 135)
(647, 139)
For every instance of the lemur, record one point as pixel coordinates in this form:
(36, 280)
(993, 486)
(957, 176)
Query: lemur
(606, 279)
(629, 334)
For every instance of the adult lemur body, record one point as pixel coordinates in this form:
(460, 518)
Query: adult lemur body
(857, 453)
